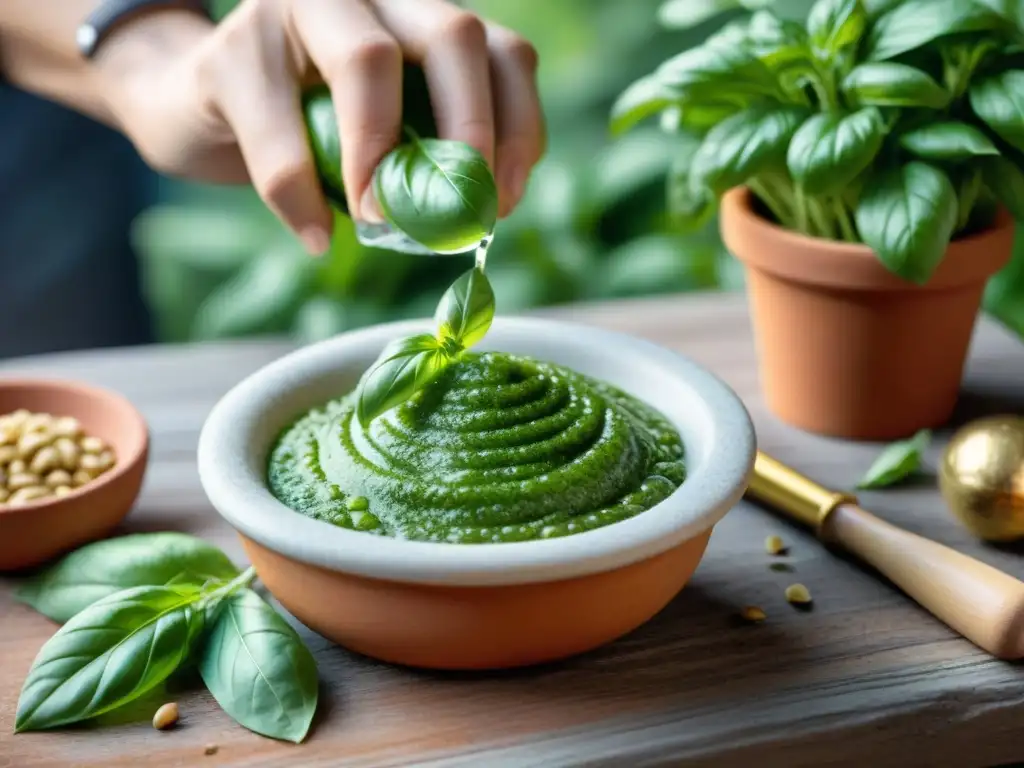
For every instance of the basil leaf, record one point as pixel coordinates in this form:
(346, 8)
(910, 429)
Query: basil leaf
(404, 367)
(259, 670)
(109, 654)
(683, 14)
(907, 216)
(831, 149)
(325, 143)
(999, 101)
(100, 569)
(777, 42)
(913, 23)
(719, 72)
(641, 100)
(466, 310)
(835, 25)
(947, 142)
(889, 84)
(742, 146)
(438, 192)
(1006, 181)
(897, 462)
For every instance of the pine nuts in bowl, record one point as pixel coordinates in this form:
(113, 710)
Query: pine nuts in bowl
(72, 458)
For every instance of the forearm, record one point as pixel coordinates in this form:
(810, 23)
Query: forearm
(38, 51)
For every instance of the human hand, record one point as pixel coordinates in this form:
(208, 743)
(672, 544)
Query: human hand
(222, 103)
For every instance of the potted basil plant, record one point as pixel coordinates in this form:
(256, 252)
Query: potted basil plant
(868, 168)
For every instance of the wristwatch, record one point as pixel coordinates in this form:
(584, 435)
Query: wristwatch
(110, 13)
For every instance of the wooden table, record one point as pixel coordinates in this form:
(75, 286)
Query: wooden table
(866, 678)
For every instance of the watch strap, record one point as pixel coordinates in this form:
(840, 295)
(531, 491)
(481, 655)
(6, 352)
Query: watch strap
(110, 13)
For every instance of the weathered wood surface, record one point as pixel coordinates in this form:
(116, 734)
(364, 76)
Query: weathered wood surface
(866, 678)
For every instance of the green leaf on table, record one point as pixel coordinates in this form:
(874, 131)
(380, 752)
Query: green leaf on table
(642, 99)
(999, 102)
(897, 462)
(439, 192)
(102, 568)
(466, 310)
(907, 215)
(744, 145)
(259, 670)
(109, 654)
(947, 141)
(403, 368)
(683, 14)
(914, 23)
(1006, 180)
(835, 25)
(831, 149)
(890, 84)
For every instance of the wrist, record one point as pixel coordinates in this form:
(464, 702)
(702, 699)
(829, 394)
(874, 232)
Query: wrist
(139, 51)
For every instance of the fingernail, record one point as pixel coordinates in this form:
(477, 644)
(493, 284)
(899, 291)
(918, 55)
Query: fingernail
(369, 209)
(315, 239)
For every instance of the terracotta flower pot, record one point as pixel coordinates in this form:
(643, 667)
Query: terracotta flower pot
(845, 347)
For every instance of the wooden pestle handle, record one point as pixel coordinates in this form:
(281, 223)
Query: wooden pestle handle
(982, 603)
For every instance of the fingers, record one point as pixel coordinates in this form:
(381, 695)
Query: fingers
(362, 65)
(451, 45)
(520, 132)
(259, 99)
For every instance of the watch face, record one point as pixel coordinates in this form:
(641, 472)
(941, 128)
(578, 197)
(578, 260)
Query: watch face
(86, 37)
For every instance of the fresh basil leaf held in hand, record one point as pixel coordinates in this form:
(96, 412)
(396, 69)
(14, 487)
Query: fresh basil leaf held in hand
(100, 569)
(109, 654)
(897, 462)
(403, 368)
(259, 670)
(466, 309)
(439, 192)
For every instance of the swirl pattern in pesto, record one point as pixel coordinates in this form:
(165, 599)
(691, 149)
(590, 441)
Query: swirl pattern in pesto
(500, 448)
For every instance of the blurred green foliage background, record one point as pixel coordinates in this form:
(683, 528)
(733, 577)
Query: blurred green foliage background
(592, 226)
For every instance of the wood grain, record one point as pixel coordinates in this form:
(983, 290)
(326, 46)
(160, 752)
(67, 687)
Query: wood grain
(864, 678)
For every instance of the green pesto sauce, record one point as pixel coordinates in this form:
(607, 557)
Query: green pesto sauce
(500, 448)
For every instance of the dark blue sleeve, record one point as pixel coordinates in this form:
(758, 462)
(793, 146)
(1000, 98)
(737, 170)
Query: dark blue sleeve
(69, 189)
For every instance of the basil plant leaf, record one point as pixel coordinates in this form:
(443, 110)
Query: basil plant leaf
(683, 14)
(690, 205)
(109, 654)
(439, 192)
(835, 25)
(907, 215)
(897, 462)
(914, 23)
(719, 72)
(779, 43)
(1006, 181)
(890, 84)
(831, 149)
(949, 141)
(643, 99)
(403, 368)
(466, 310)
(98, 570)
(259, 670)
(744, 145)
(999, 101)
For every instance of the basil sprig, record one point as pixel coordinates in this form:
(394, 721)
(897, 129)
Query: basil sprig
(408, 365)
(894, 123)
(140, 607)
(897, 462)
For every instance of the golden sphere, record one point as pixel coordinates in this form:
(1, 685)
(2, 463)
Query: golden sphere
(982, 477)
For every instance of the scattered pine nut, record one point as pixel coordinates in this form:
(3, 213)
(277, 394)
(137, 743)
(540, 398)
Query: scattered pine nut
(166, 716)
(798, 594)
(211, 749)
(753, 613)
(774, 545)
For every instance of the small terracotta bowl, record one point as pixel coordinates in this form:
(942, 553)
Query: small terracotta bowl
(41, 530)
(477, 606)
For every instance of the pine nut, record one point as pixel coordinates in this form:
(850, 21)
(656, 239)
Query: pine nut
(66, 426)
(17, 466)
(37, 422)
(61, 490)
(30, 442)
(106, 460)
(774, 545)
(48, 458)
(166, 716)
(3, 495)
(798, 594)
(22, 480)
(80, 478)
(69, 453)
(27, 494)
(58, 477)
(91, 463)
(92, 444)
(8, 453)
(753, 613)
